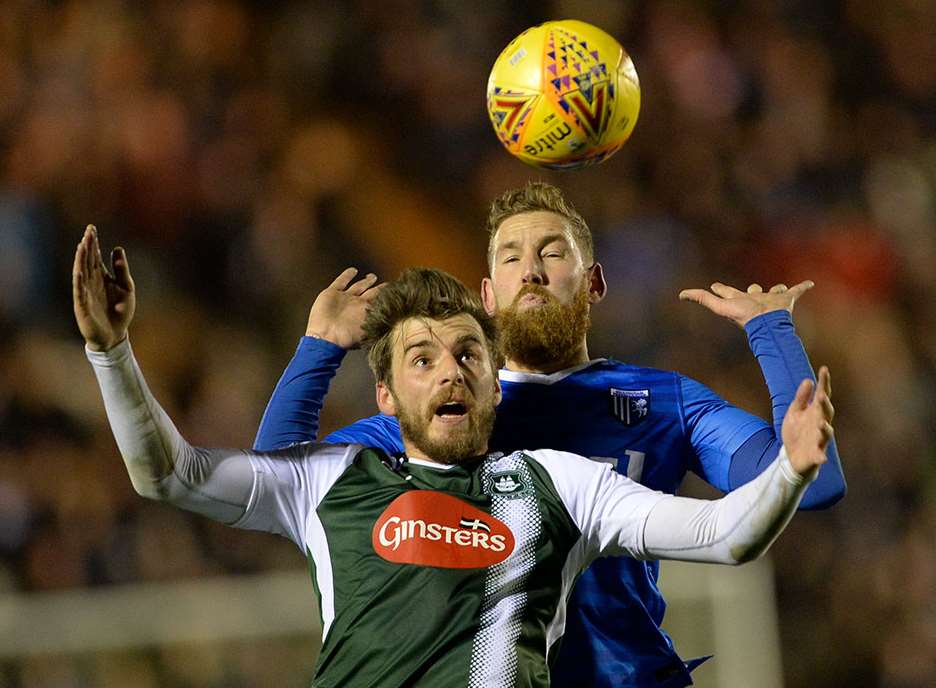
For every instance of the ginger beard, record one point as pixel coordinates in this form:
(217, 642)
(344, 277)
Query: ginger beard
(461, 443)
(546, 335)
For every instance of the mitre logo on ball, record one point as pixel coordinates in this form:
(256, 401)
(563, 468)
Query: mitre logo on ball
(563, 95)
(429, 528)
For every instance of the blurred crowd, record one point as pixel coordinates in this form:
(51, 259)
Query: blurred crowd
(245, 152)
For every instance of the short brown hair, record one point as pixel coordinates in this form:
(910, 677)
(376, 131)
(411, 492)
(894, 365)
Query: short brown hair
(531, 198)
(420, 293)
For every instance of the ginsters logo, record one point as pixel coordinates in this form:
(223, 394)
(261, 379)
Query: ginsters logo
(434, 529)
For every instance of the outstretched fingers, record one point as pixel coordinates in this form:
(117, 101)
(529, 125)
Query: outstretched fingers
(345, 282)
(797, 290)
(371, 293)
(98, 260)
(363, 284)
(726, 291)
(822, 398)
(88, 241)
(78, 272)
(803, 394)
(85, 271)
(342, 281)
(121, 267)
(97, 272)
(825, 380)
(701, 297)
(823, 392)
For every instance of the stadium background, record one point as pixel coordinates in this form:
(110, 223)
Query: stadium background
(245, 152)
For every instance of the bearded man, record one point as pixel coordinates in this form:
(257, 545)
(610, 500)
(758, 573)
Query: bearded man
(652, 425)
(446, 565)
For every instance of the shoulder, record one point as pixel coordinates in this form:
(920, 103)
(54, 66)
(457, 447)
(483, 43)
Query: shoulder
(614, 369)
(379, 420)
(320, 457)
(662, 390)
(378, 430)
(686, 388)
(552, 456)
(542, 465)
(565, 467)
(598, 372)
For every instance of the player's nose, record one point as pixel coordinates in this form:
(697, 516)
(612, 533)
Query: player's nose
(450, 371)
(533, 271)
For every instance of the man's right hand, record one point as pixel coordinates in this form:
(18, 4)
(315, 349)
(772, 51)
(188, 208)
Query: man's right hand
(104, 302)
(337, 315)
(741, 307)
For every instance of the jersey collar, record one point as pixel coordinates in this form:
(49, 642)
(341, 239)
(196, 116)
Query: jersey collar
(449, 466)
(544, 378)
(431, 464)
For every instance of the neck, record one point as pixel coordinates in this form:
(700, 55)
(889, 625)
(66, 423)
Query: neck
(580, 356)
(414, 452)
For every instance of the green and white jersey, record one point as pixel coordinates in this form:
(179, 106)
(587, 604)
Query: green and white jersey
(433, 575)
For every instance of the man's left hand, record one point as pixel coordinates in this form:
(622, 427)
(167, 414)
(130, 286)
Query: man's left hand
(740, 307)
(807, 425)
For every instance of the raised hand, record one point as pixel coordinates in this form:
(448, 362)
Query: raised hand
(104, 301)
(807, 425)
(739, 306)
(338, 312)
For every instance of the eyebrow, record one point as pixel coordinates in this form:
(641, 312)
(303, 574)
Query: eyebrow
(545, 241)
(470, 338)
(416, 345)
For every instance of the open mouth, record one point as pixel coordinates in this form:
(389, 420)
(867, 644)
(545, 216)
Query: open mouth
(451, 411)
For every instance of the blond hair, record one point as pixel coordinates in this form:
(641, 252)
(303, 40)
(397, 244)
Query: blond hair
(533, 197)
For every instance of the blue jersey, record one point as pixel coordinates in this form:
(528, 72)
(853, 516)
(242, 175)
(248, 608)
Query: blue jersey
(652, 425)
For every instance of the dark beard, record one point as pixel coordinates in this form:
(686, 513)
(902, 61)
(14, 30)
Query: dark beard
(549, 336)
(459, 447)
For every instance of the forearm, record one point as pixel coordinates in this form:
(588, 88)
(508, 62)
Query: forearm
(785, 364)
(732, 530)
(160, 463)
(292, 414)
(781, 357)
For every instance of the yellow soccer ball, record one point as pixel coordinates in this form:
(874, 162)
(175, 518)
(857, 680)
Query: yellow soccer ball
(563, 95)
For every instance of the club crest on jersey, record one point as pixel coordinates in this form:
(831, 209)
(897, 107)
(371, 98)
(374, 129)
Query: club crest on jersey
(429, 528)
(630, 406)
(506, 484)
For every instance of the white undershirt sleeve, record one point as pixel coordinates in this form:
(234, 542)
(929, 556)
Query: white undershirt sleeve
(735, 529)
(270, 491)
(618, 516)
(609, 509)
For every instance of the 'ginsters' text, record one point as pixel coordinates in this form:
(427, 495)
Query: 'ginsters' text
(435, 529)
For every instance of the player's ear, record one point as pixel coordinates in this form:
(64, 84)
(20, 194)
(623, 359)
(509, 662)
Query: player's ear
(597, 287)
(385, 401)
(487, 296)
(498, 392)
